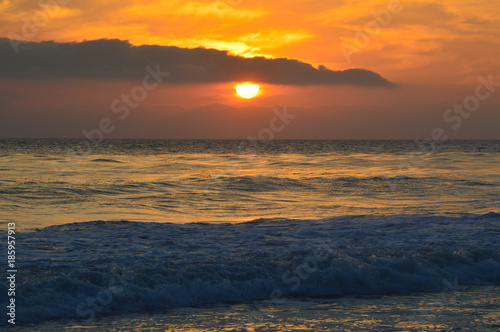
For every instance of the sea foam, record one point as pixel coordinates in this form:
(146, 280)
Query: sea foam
(83, 270)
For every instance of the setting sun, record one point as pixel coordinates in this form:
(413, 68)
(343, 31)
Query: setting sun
(247, 90)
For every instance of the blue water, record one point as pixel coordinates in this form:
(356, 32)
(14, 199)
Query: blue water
(134, 226)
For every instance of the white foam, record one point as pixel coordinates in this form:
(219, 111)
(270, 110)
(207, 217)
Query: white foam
(153, 266)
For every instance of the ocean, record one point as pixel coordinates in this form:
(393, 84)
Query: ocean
(236, 235)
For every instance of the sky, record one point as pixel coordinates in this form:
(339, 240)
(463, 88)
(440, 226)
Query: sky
(168, 69)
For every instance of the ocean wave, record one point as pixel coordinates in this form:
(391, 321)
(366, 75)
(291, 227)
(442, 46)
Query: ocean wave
(128, 266)
(259, 183)
(106, 160)
(377, 181)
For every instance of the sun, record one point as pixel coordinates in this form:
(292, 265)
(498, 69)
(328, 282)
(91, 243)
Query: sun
(247, 90)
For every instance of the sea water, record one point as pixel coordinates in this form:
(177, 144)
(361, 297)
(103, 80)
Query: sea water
(294, 232)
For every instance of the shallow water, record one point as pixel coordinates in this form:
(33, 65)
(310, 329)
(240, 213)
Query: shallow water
(461, 309)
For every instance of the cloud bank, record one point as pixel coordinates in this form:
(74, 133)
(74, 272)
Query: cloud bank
(118, 59)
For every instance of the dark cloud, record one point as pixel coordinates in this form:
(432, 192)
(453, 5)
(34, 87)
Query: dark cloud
(117, 59)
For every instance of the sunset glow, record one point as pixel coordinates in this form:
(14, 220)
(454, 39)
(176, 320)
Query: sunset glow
(440, 38)
(212, 154)
(321, 58)
(247, 90)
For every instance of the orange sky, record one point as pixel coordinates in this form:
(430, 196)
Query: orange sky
(426, 41)
(434, 51)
